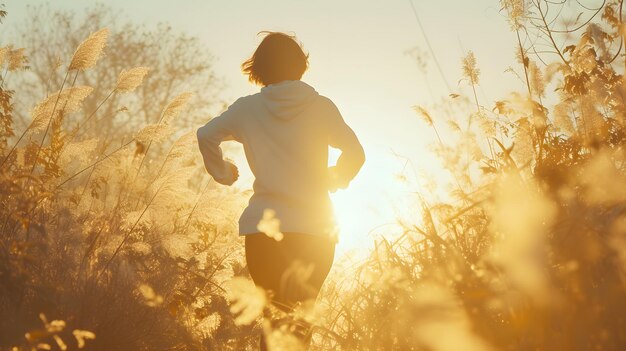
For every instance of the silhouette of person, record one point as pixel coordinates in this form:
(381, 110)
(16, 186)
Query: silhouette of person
(285, 130)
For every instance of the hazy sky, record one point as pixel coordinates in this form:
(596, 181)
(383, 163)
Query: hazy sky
(358, 59)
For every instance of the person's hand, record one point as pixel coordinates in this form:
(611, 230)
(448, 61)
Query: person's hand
(334, 180)
(232, 174)
(234, 171)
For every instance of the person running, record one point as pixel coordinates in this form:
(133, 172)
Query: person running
(285, 130)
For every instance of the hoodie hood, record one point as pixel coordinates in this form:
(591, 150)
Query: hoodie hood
(287, 99)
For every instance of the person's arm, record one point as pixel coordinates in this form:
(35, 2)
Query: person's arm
(220, 128)
(352, 157)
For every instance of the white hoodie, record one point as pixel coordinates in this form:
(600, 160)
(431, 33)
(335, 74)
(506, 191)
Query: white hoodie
(285, 131)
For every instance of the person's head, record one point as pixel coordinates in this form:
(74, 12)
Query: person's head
(279, 57)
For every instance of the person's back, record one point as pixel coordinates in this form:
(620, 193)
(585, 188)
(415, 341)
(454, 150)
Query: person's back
(285, 130)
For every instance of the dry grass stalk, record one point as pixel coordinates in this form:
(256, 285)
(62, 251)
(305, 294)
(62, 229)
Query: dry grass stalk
(173, 109)
(131, 79)
(71, 99)
(421, 112)
(17, 59)
(89, 51)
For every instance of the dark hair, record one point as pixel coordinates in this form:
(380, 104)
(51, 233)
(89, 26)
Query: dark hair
(279, 57)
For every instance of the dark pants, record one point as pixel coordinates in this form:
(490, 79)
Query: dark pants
(293, 269)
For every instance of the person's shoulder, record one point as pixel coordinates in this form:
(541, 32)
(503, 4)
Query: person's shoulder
(244, 103)
(326, 102)
(327, 105)
(246, 100)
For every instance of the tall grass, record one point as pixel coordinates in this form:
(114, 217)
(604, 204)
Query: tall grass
(100, 245)
(527, 252)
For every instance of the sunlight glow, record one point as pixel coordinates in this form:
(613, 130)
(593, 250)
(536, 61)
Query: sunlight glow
(372, 202)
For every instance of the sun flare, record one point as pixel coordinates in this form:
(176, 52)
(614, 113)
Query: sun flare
(373, 203)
